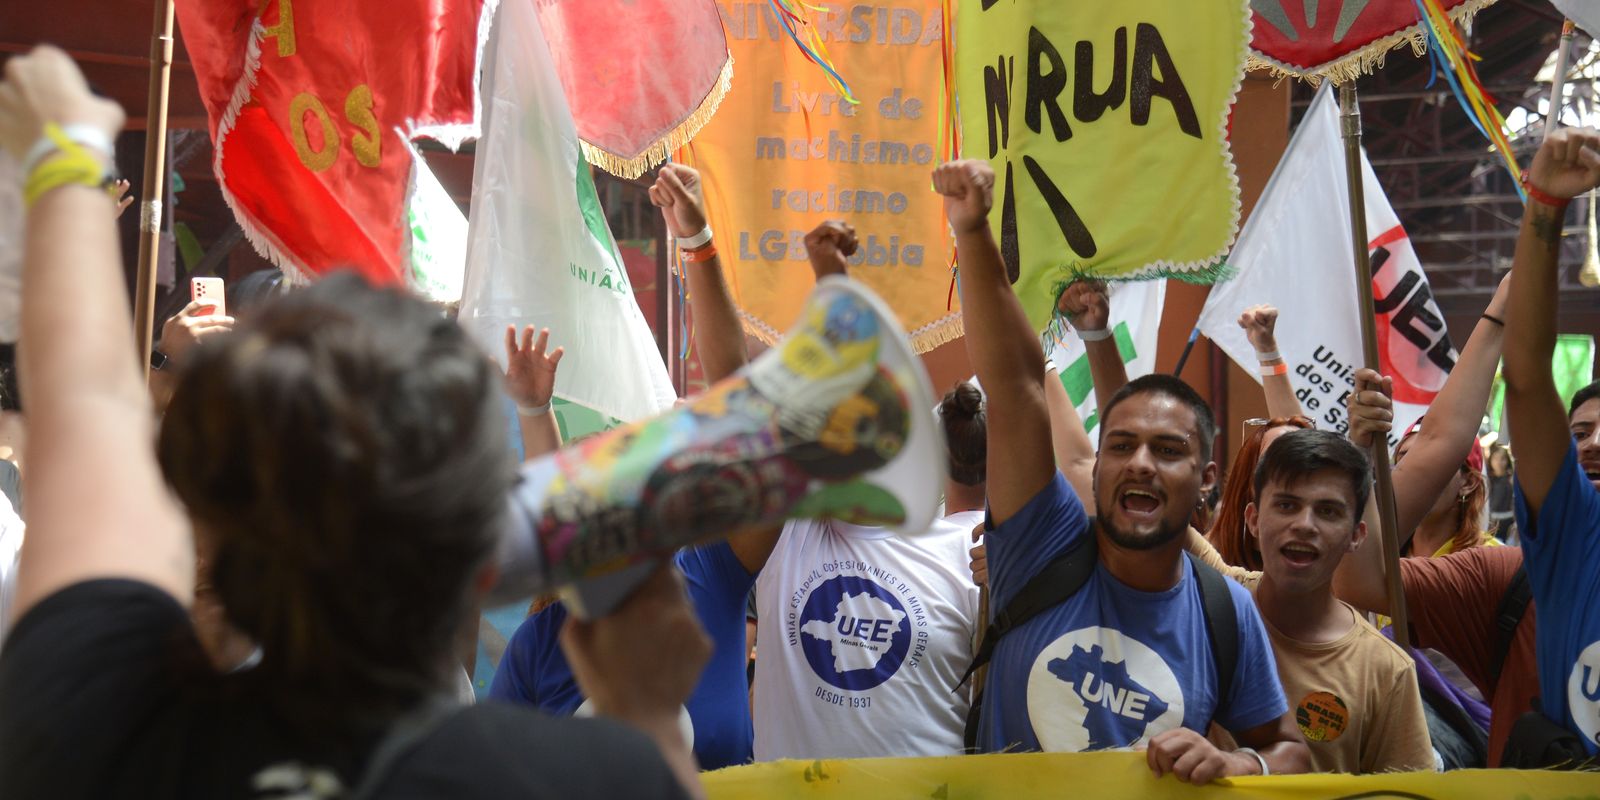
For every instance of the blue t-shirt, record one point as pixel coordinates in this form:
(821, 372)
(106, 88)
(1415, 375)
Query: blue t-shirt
(1561, 550)
(1112, 666)
(535, 671)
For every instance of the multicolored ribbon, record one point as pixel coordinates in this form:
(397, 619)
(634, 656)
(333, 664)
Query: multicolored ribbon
(792, 14)
(1449, 56)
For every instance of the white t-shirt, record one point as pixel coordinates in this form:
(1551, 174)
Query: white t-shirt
(11, 531)
(864, 635)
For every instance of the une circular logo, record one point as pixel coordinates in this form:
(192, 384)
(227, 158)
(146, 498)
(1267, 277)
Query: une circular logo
(854, 633)
(1583, 692)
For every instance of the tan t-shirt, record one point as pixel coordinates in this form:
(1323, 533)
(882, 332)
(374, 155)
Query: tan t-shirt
(1356, 701)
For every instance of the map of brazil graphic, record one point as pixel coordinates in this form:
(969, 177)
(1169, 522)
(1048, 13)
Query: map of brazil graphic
(1096, 689)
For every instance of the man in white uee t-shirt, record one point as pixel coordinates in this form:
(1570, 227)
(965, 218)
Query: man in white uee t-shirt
(864, 636)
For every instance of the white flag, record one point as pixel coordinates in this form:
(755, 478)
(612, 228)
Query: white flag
(1585, 13)
(539, 251)
(438, 236)
(1134, 322)
(1295, 253)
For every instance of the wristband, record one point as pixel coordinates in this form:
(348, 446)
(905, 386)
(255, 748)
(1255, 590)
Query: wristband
(1492, 318)
(1049, 364)
(698, 256)
(534, 411)
(74, 166)
(691, 242)
(1251, 751)
(1094, 336)
(1268, 355)
(1269, 370)
(1540, 196)
(86, 135)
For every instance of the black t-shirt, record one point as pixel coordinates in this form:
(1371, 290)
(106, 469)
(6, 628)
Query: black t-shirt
(105, 692)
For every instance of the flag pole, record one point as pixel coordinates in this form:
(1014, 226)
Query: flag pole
(155, 170)
(1558, 81)
(1350, 128)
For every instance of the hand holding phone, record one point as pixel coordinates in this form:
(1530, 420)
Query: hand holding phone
(210, 292)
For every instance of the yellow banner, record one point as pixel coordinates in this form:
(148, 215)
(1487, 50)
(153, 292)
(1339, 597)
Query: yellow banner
(1106, 123)
(786, 152)
(1023, 776)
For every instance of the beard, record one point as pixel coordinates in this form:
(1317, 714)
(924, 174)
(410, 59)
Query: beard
(1161, 536)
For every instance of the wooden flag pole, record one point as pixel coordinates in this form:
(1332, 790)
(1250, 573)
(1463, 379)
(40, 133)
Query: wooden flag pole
(155, 172)
(1350, 127)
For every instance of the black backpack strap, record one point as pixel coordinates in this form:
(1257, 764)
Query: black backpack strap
(1513, 606)
(1222, 627)
(1059, 580)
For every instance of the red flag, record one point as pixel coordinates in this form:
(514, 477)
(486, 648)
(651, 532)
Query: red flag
(312, 106)
(642, 76)
(1339, 39)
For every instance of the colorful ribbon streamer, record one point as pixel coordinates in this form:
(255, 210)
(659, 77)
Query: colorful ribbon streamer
(1450, 57)
(792, 14)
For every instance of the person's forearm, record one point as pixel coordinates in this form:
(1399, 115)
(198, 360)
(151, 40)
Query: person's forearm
(1074, 452)
(1287, 758)
(1279, 392)
(1452, 425)
(1106, 369)
(89, 414)
(1000, 343)
(1359, 580)
(1530, 305)
(717, 333)
(540, 434)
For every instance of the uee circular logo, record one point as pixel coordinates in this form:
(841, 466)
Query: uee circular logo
(1097, 689)
(1583, 692)
(1322, 717)
(855, 633)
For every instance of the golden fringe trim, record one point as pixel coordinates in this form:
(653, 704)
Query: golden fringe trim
(938, 333)
(1369, 58)
(630, 168)
(934, 334)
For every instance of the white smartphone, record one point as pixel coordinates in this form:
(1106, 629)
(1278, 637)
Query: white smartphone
(210, 291)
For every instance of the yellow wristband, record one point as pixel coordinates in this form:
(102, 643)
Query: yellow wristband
(72, 166)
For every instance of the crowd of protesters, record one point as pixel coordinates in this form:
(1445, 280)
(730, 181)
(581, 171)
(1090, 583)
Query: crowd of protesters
(251, 577)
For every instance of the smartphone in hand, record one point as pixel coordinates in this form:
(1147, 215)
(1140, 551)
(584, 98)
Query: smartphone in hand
(211, 292)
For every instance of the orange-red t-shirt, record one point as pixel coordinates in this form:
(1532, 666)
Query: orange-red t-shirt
(1453, 600)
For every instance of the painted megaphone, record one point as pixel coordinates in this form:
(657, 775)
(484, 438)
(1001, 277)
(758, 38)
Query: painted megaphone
(830, 423)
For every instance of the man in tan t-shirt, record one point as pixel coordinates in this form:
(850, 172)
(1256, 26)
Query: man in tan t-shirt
(1352, 691)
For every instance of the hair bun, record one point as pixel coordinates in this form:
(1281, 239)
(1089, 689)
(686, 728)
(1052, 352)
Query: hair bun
(964, 401)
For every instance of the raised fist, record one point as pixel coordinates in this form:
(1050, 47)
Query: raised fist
(1259, 324)
(1086, 305)
(828, 245)
(1567, 163)
(968, 189)
(677, 193)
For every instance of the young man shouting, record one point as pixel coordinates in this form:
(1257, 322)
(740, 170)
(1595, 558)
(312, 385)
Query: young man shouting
(1126, 660)
(1353, 692)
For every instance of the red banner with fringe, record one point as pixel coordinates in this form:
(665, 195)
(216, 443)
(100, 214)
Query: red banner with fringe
(1339, 39)
(312, 106)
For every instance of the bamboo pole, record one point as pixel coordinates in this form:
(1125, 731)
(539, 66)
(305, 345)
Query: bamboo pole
(155, 172)
(1350, 127)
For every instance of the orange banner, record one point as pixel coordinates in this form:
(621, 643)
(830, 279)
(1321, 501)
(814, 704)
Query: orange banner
(786, 152)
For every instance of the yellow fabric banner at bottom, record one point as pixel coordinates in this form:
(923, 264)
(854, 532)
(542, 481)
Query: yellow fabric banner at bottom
(1023, 776)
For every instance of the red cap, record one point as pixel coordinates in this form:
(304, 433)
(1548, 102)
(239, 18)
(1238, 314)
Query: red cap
(1474, 456)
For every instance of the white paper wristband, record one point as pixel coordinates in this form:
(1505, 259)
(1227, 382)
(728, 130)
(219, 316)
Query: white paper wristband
(1094, 336)
(87, 135)
(534, 411)
(1268, 355)
(691, 242)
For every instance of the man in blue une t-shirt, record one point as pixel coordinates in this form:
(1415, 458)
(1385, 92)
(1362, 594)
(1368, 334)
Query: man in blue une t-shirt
(1558, 465)
(1125, 661)
(535, 671)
